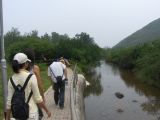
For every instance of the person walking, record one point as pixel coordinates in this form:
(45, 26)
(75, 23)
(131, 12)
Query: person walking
(57, 71)
(65, 61)
(34, 69)
(18, 80)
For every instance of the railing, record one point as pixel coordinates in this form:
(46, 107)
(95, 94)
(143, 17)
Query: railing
(73, 93)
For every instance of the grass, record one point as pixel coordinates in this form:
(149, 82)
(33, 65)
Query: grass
(1, 99)
(45, 79)
(9, 72)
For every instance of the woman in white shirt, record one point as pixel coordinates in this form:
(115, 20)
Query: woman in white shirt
(19, 65)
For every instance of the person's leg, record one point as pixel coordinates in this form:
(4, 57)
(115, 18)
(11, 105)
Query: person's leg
(61, 95)
(40, 112)
(56, 93)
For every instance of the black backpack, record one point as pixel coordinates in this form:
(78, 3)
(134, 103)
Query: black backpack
(20, 108)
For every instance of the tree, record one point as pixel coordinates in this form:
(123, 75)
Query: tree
(34, 34)
(46, 37)
(12, 36)
(84, 37)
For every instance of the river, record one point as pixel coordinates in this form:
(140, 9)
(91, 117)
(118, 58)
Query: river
(140, 101)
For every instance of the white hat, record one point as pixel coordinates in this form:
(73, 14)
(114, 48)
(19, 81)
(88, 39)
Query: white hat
(21, 58)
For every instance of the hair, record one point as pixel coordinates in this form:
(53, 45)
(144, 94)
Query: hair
(16, 66)
(30, 54)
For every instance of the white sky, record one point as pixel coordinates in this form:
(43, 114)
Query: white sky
(107, 21)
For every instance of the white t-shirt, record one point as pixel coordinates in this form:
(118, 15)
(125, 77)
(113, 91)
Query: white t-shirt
(58, 70)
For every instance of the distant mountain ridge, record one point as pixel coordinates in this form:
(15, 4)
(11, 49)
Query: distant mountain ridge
(148, 33)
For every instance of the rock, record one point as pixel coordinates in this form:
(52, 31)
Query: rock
(120, 110)
(134, 101)
(119, 95)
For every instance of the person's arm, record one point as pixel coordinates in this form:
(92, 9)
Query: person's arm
(65, 73)
(43, 106)
(10, 94)
(36, 71)
(8, 114)
(49, 75)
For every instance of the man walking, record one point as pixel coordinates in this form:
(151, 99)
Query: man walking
(57, 71)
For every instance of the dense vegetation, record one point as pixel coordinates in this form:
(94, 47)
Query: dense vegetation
(80, 48)
(143, 60)
(148, 33)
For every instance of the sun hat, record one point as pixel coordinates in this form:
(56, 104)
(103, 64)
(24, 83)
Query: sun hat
(21, 58)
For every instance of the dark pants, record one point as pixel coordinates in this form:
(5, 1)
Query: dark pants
(59, 93)
(40, 113)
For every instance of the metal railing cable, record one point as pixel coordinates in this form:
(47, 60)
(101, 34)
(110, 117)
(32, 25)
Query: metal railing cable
(73, 93)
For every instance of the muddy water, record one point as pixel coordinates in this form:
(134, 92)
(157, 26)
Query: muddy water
(140, 102)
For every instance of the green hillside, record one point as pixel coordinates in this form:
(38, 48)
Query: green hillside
(143, 61)
(148, 33)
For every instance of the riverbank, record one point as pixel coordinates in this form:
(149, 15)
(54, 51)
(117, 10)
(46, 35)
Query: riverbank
(142, 60)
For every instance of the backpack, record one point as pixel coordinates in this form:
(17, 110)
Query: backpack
(20, 108)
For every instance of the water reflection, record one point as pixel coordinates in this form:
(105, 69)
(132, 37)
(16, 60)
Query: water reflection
(141, 88)
(152, 105)
(94, 78)
(140, 102)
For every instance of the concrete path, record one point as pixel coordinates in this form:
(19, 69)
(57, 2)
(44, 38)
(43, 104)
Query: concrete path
(57, 113)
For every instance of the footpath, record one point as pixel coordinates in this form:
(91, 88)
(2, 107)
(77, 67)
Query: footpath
(57, 113)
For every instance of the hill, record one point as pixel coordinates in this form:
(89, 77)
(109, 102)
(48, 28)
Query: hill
(148, 33)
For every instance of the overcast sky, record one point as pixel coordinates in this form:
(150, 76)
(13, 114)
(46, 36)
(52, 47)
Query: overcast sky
(107, 21)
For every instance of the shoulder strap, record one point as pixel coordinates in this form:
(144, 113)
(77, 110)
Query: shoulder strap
(24, 86)
(26, 82)
(14, 86)
(30, 95)
(54, 74)
(52, 71)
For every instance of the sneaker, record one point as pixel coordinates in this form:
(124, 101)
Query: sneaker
(66, 83)
(40, 117)
(61, 107)
(56, 104)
